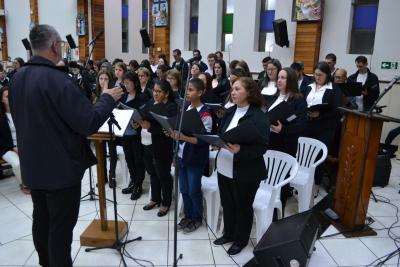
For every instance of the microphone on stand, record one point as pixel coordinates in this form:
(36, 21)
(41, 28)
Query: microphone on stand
(387, 88)
(95, 38)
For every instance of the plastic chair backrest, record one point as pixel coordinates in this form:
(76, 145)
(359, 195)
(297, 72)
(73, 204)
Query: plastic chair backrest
(279, 166)
(308, 150)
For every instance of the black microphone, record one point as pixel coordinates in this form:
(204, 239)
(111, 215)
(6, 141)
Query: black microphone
(95, 38)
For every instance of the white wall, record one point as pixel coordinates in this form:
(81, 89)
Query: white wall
(336, 36)
(59, 14)
(17, 22)
(245, 26)
(113, 30)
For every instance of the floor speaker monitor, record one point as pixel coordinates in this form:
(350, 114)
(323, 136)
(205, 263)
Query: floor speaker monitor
(291, 238)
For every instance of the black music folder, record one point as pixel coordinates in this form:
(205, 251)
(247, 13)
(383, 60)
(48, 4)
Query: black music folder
(244, 134)
(191, 122)
(351, 88)
(320, 107)
(283, 112)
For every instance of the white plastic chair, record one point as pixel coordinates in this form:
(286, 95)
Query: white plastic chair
(279, 165)
(307, 152)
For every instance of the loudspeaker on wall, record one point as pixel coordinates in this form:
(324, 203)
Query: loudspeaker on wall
(145, 37)
(281, 33)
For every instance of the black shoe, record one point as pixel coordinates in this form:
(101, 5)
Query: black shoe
(150, 206)
(235, 249)
(222, 240)
(162, 213)
(129, 188)
(136, 193)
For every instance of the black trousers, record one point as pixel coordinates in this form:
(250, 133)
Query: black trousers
(134, 158)
(325, 136)
(237, 199)
(148, 159)
(55, 214)
(162, 185)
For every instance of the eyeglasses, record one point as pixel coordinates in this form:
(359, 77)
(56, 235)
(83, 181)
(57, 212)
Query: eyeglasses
(157, 92)
(62, 43)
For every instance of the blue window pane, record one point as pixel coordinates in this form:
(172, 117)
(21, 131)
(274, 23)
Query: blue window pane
(145, 14)
(125, 11)
(266, 21)
(365, 17)
(194, 24)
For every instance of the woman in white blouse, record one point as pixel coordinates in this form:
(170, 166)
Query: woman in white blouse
(322, 121)
(241, 166)
(267, 85)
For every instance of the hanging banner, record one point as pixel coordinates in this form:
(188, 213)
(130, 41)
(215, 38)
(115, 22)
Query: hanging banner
(160, 13)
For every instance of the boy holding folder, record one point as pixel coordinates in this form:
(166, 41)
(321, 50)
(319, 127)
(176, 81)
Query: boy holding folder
(193, 155)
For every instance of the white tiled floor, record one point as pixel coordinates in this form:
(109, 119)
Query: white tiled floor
(16, 246)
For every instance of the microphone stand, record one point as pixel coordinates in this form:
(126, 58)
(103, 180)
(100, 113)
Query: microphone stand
(387, 88)
(176, 175)
(118, 245)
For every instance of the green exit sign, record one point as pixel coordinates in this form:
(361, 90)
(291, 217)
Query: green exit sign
(387, 65)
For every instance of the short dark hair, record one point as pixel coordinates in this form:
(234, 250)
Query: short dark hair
(219, 53)
(266, 59)
(196, 50)
(361, 59)
(133, 77)
(166, 88)
(331, 56)
(254, 98)
(163, 68)
(324, 67)
(197, 83)
(239, 72)
(212, 55)
(20, 61)
(177, 51)
(42, 36)
(116, 61)
(296, 66)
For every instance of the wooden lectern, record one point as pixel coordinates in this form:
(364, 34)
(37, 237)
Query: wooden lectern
(101, 233)
(357, 160)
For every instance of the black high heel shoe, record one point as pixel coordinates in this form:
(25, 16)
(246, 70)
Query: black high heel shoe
(150, 206)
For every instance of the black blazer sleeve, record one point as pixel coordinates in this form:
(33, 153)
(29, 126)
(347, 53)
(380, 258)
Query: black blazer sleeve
(299, 124)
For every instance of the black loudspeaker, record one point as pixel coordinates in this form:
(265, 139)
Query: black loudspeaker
(145, 37)
(281, 33)
(71, 41)
(291, 238)
(26, 44)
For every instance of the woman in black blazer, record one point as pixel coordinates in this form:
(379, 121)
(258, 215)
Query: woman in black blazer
(284, 135)
(241, 166)
(321, 123)
(161, 189)
(220, 82)
(131, 141)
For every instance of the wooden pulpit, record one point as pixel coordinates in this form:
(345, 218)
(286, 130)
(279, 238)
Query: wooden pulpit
(101, 233)
(359, 146)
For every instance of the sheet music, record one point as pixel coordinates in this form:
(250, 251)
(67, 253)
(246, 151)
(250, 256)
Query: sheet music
(123, 117)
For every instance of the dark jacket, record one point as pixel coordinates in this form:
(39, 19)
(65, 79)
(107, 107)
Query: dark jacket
(162, 144)
(6, 142)
(372, 87)
(222, 89)
(197, 154)
(248, 163)
(307, 80)
(148, 90)
(286, 139)
(328, 119)
(52, 119)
